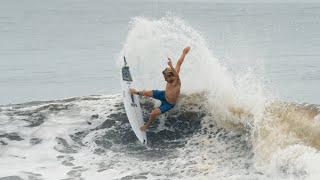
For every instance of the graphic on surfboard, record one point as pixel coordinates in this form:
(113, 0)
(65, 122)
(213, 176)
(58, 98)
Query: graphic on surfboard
(131, 104)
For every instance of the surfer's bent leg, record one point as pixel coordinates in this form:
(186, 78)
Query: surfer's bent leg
(147, 93)
(153, 115)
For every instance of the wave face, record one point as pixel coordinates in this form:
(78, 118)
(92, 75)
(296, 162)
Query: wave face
(85, 136)
(90, 137)
(224, 126)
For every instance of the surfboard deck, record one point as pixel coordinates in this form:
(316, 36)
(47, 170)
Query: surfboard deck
(132, 104)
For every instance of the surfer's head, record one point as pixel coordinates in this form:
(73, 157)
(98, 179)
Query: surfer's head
(168, 75)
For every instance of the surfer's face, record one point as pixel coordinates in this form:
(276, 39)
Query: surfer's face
(168, 78)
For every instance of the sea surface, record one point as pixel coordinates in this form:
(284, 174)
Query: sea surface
(249, 105)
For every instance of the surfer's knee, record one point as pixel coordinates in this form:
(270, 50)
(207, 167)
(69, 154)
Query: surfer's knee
(155, 112)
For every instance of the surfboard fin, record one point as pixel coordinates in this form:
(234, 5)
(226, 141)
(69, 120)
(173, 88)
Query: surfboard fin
(125, 61)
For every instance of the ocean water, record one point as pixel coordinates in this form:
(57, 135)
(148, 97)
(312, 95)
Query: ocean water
(249, 107)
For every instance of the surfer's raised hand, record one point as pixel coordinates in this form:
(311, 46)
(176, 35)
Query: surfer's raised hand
(169, 62)
(186, 50)
(175, 73)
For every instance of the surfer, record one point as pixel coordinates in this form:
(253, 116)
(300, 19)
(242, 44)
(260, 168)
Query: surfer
(169, 96)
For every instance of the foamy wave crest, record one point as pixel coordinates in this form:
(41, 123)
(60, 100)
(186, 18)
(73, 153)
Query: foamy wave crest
(282, 136)
(150, 42)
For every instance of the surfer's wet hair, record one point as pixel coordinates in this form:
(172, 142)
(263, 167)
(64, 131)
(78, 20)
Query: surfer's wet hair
(167, 72)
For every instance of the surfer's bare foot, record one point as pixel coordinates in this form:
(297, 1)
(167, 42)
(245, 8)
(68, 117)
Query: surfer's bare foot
(144, 128)
(133, 91)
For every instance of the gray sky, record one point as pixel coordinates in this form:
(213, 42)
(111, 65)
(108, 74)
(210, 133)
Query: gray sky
(245, 1)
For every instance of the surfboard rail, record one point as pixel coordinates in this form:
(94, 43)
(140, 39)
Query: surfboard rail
(132, 104)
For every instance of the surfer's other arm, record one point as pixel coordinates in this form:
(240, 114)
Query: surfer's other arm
(175, 73)
(181, 59)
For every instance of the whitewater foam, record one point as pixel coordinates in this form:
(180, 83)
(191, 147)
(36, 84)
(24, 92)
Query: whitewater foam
(237, 103)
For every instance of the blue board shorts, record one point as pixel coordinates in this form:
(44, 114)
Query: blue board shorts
(161, 95)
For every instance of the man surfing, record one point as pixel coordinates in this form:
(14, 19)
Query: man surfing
(169, 96)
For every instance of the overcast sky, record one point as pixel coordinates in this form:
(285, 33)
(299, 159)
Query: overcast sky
(245, 1)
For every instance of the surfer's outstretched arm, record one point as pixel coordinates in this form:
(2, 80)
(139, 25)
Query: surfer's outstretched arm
(181, 59)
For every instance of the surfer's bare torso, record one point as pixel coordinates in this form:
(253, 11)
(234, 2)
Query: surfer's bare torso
(173, 91)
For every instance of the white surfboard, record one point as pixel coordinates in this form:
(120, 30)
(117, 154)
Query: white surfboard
(131, 104)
